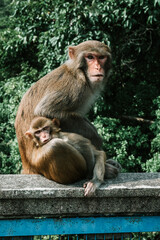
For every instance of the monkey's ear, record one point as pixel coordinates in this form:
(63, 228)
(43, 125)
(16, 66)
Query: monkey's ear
(28, 134)
(56, 123)
(71, 51)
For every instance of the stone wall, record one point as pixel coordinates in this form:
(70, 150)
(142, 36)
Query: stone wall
(33, 196)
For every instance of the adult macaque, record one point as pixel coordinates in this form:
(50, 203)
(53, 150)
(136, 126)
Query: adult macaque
(66, 93)
(56, 151)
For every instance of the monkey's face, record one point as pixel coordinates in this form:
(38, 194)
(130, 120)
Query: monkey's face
(95, 66)
(94, 59)
(43, 135)
(42, 130)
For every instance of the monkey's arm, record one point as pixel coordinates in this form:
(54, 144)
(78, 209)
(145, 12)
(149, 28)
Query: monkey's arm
(93, 128)
(98, 174)
(55, 104)
(81, 126)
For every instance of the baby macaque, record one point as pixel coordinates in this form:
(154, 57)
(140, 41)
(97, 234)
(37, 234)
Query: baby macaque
(65, 157)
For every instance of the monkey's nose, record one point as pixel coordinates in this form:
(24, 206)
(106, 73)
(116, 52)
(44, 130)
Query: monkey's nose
(98, 66)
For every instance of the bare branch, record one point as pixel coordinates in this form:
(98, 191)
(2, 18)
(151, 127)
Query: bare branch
(138, 119)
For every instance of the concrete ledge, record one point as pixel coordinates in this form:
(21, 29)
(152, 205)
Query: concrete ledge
(34, 195)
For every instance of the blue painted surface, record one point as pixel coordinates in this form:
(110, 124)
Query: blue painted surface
(91, 225)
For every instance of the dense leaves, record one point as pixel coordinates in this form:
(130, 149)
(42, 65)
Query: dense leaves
(34, 41)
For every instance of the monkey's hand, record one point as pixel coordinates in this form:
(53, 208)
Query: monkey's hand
(90, 187)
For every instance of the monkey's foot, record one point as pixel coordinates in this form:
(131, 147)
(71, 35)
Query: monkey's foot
(112, 168)
(28, 171)
(90, 188)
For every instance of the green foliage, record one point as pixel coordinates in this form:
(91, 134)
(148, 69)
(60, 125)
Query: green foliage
(145, 236)
(35, 41)
(153, 164)
(125, 143)
(5, 11)
(11, 92)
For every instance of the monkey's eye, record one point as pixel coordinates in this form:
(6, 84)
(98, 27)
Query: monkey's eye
(90, 57)
(46, 129)
(37, 133)
(101, 57)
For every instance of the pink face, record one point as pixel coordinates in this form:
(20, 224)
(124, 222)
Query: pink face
(43, 135)
(96, 63)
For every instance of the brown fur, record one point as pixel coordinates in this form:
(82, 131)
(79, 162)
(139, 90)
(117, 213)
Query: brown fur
(67, 157)
(65, 93)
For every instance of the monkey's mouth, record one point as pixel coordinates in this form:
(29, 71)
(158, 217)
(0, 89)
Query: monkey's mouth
(46, 140)
(97, 75)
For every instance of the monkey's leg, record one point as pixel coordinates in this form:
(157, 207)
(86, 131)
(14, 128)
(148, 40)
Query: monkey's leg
(59, 161)
(26, 167)
(112, 169)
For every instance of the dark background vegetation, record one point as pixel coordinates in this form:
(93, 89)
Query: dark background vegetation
(34, 36)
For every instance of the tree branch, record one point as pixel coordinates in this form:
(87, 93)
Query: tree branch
(138, 119)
